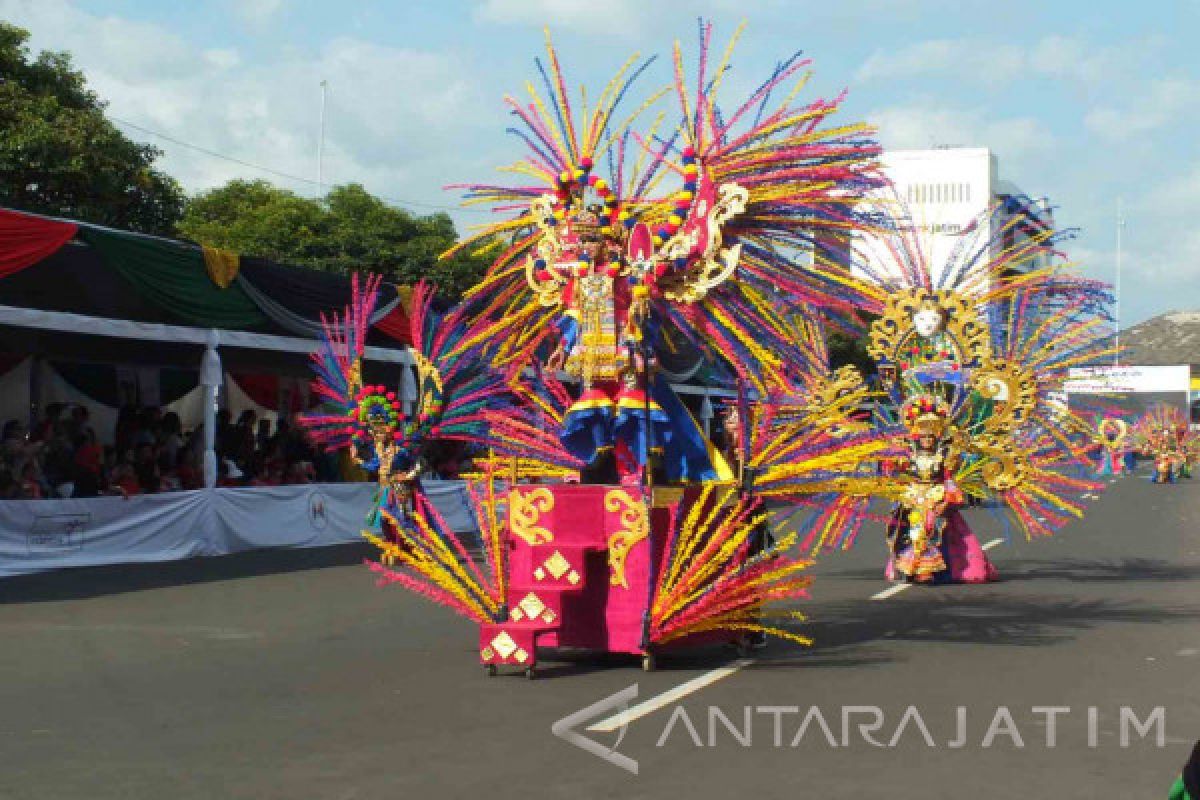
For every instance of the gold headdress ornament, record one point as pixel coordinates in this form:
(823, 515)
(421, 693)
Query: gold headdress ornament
(963, 325)
(925, 415)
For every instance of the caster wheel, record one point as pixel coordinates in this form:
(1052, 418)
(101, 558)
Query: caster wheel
(490, 670)
(649, 663)
(530, 674)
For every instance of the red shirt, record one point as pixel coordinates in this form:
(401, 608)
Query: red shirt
(89, 457)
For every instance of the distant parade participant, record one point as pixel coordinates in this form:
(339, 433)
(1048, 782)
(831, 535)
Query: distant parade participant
(1112, 435)
(1164, 435)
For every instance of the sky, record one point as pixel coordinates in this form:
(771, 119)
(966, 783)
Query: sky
(1087, 103)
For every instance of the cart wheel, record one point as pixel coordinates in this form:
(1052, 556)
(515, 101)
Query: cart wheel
(649, 663)
(490, 670)
(530, 673)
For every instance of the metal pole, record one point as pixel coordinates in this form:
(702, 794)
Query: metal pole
(321, 143)
(1117, 294)
(210, 379)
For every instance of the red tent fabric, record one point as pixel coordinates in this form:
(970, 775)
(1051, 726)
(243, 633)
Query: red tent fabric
(396, 324)
(26, 240)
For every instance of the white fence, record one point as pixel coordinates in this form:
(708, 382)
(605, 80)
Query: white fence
(39, 535)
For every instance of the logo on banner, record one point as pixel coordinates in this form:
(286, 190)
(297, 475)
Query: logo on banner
(318, 510)
(58, 531)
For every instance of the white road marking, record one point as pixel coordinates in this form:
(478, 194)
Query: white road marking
(891, 591)
(627, 716)
(886, 593)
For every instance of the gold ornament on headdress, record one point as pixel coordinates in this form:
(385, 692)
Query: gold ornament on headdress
(1012, 388)
(962, 325)
(716, 262)
(926, 415)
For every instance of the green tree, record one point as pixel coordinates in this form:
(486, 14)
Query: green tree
(849, 351)
(60, 155)
(350, 229)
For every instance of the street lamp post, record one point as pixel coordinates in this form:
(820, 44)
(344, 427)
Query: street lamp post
(1117, 303)
(321, 142)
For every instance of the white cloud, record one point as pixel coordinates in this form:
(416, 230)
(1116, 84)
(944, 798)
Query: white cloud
(988, 62)
(257, 12)
(614, 17)
(1064, 57)
(222, 58)
(996, 63)
(399, 120)
(921, 126)
(1163, 102)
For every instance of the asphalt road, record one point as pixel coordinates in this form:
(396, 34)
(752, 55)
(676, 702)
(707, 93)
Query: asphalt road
(290, 675)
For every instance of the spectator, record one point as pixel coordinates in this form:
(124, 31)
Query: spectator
(299, 472)
(31, 481)
(190, 470)
(128, 424)
(89, 455)
(263, 438)
(9, 488)
(47, 428)
(63, 457)
(80, 422)
(243, 437)
(147, 432)
(223, 442)
(58, 464)
(125, 481)
(170, 439)
(228, 474)
(145, 466)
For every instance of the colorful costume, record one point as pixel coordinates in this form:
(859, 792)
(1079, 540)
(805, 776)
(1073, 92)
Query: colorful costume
(1112, 436)
(688, 241)
(971, 361)
(929, 539)
(691, 239)
(1164, 435)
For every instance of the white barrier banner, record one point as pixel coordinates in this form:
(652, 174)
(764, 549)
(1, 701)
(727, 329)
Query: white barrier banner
(1128, 379)
(39, 535)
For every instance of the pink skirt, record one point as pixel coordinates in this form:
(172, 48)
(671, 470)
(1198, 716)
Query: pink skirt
(967, 561)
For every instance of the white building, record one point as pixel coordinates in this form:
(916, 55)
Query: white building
(946, 189)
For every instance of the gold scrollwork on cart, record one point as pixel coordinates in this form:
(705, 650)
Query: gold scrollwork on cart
(524, 510)
(636, 527)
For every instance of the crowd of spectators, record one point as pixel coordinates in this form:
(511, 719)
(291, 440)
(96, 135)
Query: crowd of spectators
(62, 456)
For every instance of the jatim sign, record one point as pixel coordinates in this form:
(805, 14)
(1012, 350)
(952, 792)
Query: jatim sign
(1128, 380)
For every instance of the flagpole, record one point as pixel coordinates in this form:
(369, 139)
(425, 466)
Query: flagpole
(321, 143)
(1117, 293)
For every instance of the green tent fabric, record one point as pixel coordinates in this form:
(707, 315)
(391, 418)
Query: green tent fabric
(173, 276)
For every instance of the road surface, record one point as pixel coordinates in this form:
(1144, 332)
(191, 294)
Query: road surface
(291, 675)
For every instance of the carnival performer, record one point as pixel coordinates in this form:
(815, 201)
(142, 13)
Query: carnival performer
(467, 392)
(1112, 436)
(977, 358)
(630, 236)
(1164, 435)
(929, 539)
(612, 262)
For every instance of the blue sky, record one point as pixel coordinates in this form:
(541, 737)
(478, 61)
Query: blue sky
(1083, 102)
